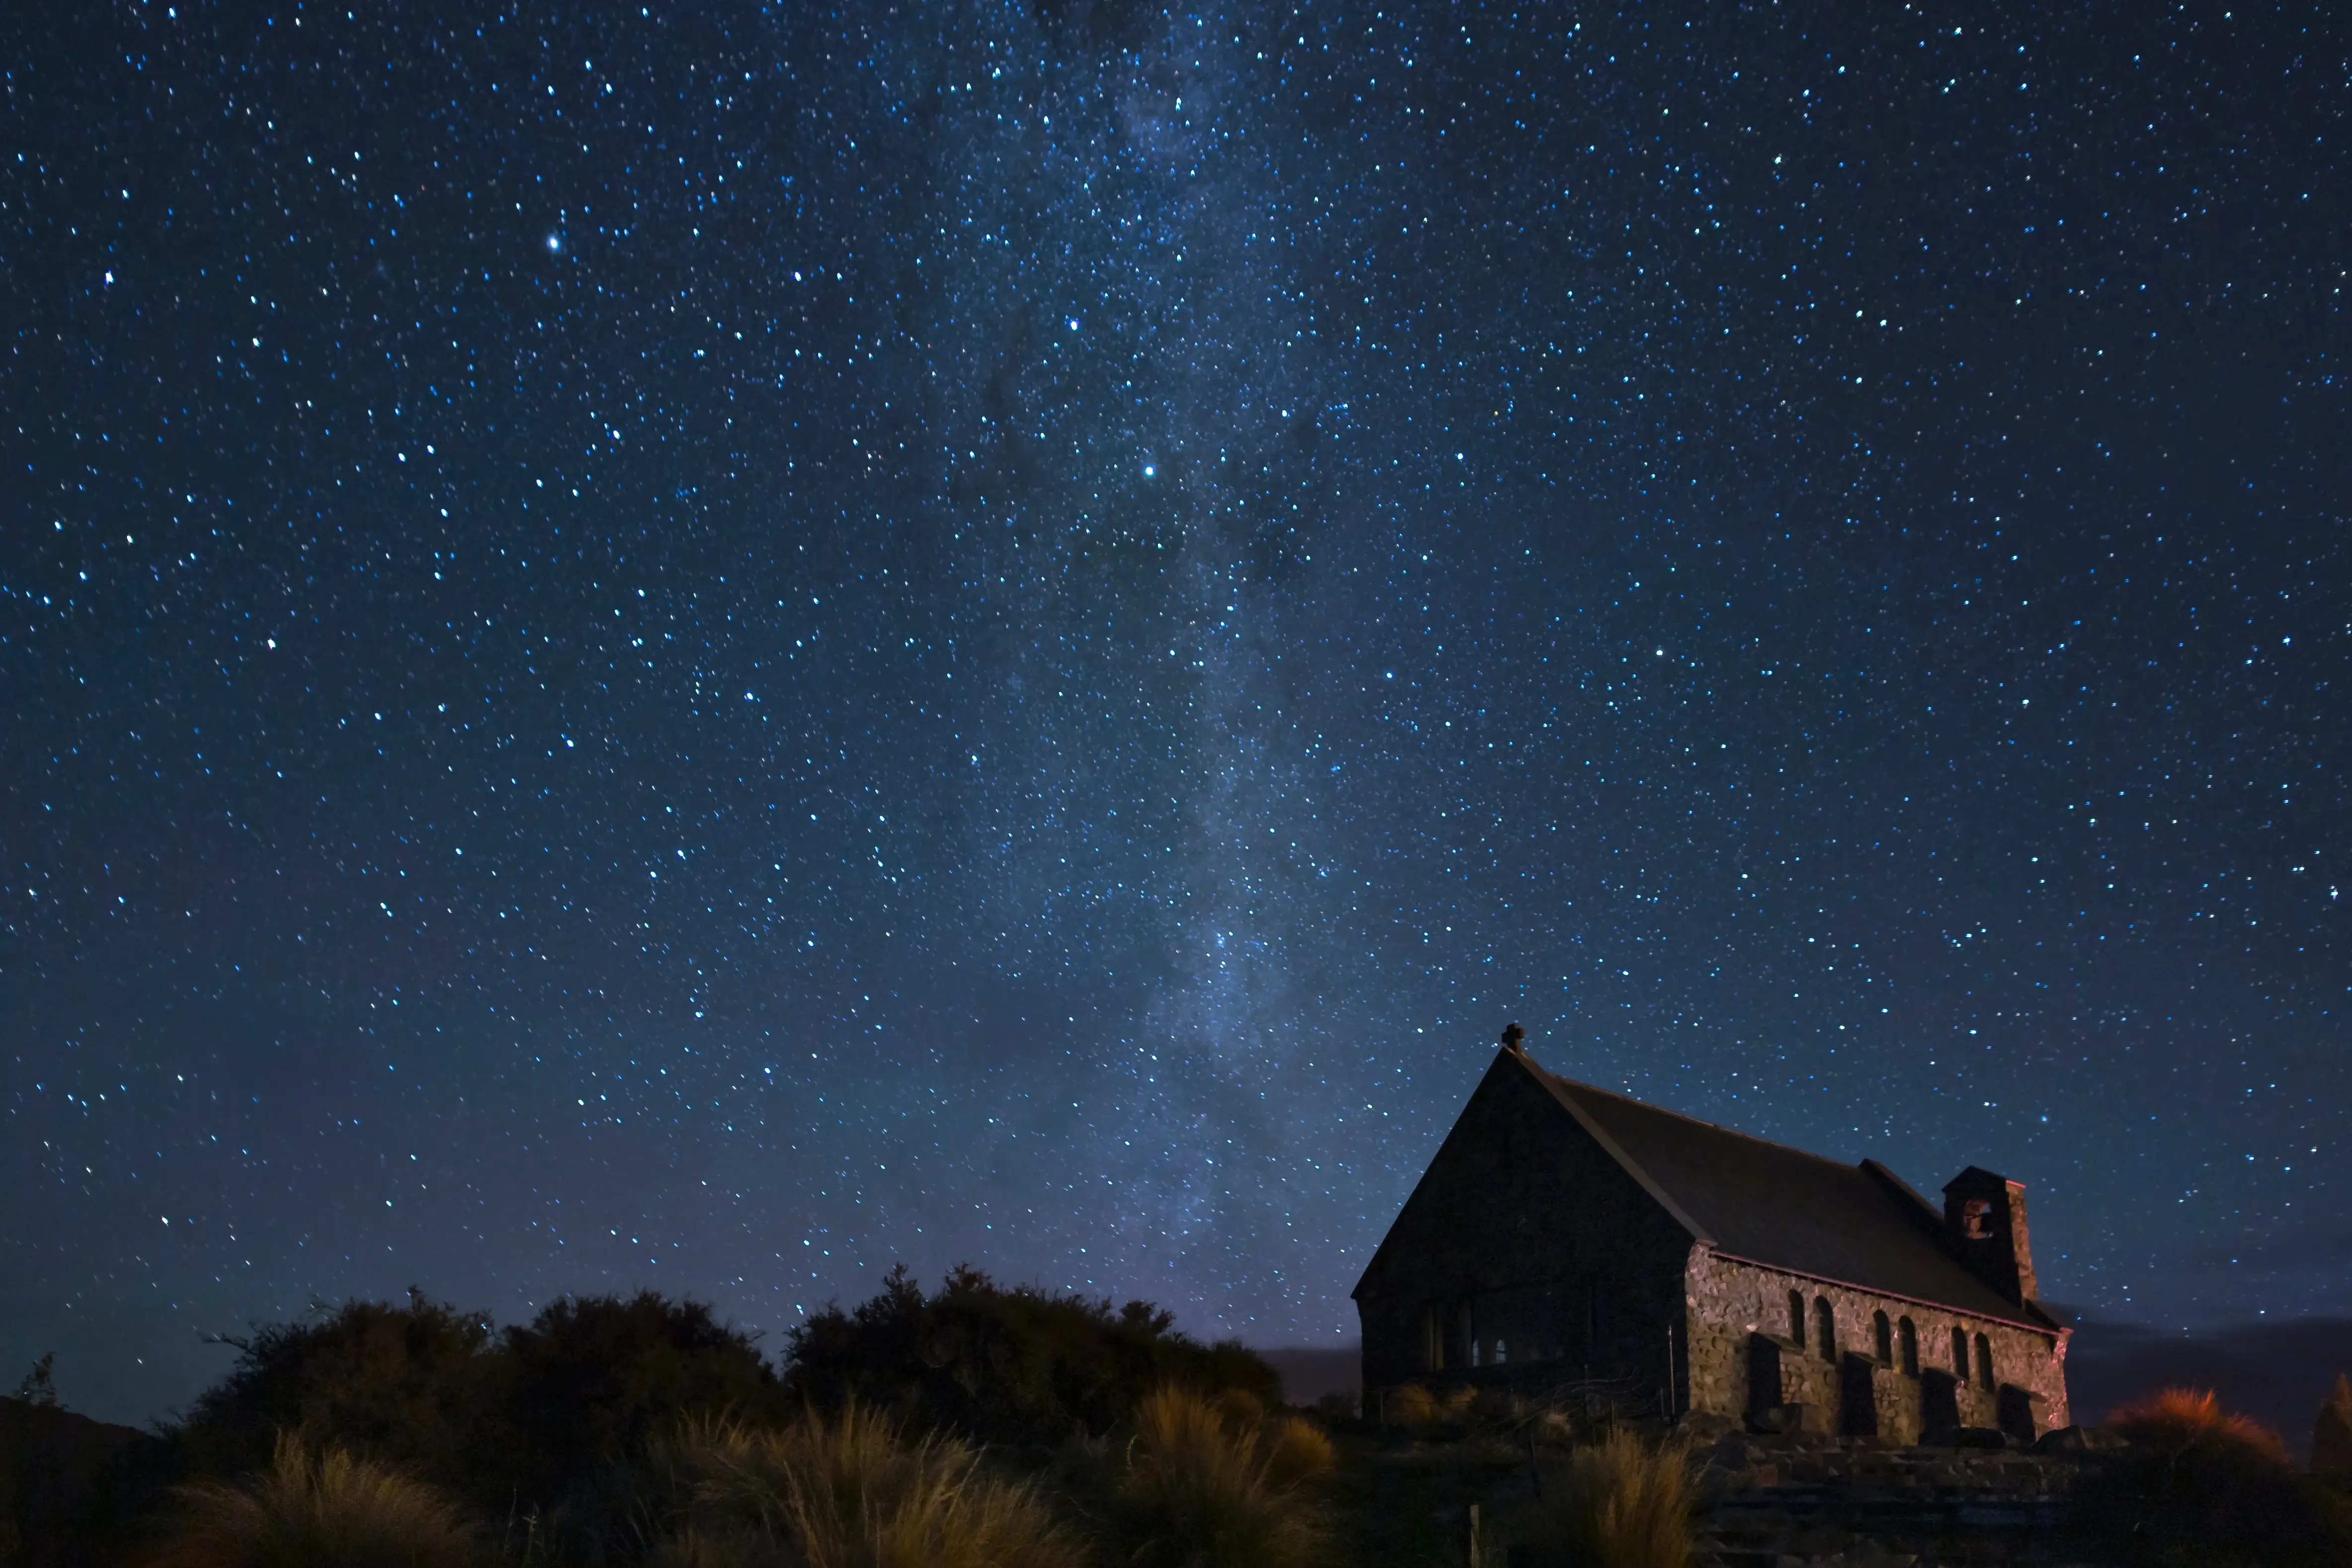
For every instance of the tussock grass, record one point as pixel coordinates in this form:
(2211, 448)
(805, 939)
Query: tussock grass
(1212, 1485)
(1412, 1406)
(328, 1509)
(1618, 1502)
(2179, 1420)
(850, 1492)
(2200, 1487)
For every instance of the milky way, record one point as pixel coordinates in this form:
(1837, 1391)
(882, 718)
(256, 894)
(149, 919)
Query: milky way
(710, 649)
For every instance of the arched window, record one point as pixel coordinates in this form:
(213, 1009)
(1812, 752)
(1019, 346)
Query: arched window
(1797, 1317)
(1882, 1338)
(1984, 1361)
(1906, 1336)
(1501, 1354)
(1960, 1352)
(1824, 1329)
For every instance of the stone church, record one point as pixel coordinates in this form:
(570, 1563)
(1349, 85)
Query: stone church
(1568, 1235)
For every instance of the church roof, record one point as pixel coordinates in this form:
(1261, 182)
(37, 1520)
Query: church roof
(1767, 1203)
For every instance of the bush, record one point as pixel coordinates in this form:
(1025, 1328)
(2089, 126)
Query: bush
(1620, 1502)
(1005, 1365)
(416, 1386)
(1211, 1485)
(592, 1378)
(331, 1511)
(2331, 1434)
(2202, 1486)
(848, 1492)
(517, 1421)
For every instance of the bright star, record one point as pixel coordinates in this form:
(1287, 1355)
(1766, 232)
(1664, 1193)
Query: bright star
(555, 244)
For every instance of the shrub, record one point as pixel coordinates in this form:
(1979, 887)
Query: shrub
(849, 1493)
(592, 1378)
(2331, 1434)
(1204, 1486)
(1014, 1365)
(2202, 1486)
(412, 1386)
(329, 1510)
(1620, 1502)
(518, 1421)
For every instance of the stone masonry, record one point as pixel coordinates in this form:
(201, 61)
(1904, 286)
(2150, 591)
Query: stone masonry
(1564, 1235)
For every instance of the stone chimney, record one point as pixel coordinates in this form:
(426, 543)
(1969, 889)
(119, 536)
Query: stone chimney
(1984, 1215)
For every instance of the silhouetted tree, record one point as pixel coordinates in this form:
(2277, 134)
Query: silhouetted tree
(2331, 1435)
(1017, 1366)
(592, 1377)
(417, 1386)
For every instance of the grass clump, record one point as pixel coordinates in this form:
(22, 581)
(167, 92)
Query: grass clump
(1619, 1502)
(326, 1510)
(2177, 1422)
(2202, 1486)
(848, 1492)
(1212, 1484)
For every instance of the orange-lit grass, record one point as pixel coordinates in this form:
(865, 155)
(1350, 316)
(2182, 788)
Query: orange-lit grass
(2175, 1420)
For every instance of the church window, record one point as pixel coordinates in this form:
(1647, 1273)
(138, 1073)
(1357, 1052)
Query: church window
(1824, 1329)
(1984, 1361)
(1907, 1335)
(1473, 1353)
(1882, 1338)
(1432, 1338)
(1960, 1352)
(1502, 1354)
(1797, 1317)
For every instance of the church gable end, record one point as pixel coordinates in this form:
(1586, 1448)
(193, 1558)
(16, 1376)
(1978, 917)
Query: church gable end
(1526, 1243)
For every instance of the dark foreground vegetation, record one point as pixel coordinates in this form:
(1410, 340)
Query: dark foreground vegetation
(973, 1426)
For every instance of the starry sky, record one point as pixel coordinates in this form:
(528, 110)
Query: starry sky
(710, 647)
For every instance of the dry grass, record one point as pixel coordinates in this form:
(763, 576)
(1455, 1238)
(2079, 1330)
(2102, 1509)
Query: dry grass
(1619, 1502)
(1212, 1485)
(2176, 1420)
(1412, 1406)
(849, 1493)
(326, 1510)
(2199, 1488)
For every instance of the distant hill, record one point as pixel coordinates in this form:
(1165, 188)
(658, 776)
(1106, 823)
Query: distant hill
(71, 1487)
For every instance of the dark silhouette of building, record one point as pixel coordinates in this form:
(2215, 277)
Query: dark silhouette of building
(1566, 1234)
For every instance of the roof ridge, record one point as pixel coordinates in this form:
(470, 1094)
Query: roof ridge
(1657, 1109)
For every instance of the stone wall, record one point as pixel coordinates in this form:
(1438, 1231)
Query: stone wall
(1739, 1322)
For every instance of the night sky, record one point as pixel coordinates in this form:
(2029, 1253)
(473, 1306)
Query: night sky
(709, 647)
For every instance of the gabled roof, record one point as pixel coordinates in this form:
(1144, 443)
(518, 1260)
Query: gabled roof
(1769, 1204)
